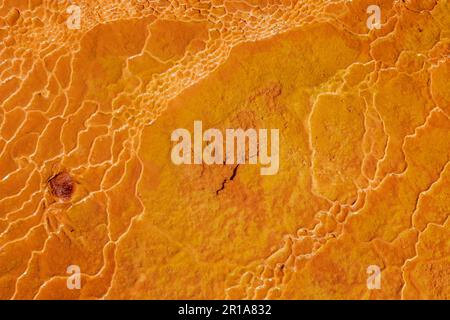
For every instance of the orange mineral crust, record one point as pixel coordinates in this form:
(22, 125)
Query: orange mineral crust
(93, 205)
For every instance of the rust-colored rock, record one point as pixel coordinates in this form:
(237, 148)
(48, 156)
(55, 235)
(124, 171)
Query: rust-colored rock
(62, 186)
(364, 175)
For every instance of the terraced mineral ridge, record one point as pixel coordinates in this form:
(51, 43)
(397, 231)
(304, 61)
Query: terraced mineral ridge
(90, 92)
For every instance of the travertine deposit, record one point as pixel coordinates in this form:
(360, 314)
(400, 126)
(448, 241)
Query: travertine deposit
(86, 177)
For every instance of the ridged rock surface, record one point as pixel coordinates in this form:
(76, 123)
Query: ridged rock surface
(86, 176)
